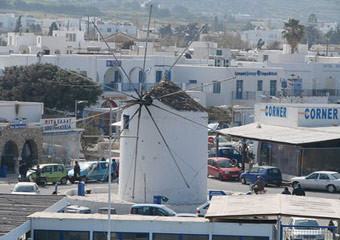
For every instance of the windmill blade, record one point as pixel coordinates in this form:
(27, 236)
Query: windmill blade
(167, 146)
(189, 44)
(192, 88)
(188, 119)
(100, 84)
(115, 57)
(146, 49)
(136, 152)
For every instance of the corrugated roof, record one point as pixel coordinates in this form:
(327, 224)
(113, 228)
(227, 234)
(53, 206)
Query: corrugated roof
(15, 209)
(231, 206)
(289, 135)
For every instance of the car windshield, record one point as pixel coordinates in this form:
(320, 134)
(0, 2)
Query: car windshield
(306, 223)
(23, 189)
(83, 166)
(224, 164)
(336, 175)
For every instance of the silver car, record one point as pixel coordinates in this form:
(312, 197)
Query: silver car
(306, 229)
(321, 180)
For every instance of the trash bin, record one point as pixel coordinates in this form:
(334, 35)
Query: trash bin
(81, 188)
(3, 171)
(157, 199)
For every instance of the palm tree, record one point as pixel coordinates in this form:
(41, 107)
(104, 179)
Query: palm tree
(293, 33)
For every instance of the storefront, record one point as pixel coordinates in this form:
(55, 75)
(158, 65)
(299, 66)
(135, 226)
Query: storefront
(298, 138)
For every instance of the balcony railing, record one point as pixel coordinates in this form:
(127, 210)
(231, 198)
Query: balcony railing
(247, 95)
(109, 87)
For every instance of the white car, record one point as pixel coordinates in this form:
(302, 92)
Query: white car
(321, 180)
(202, 209)
(152, 210)
(26, 188)
(304, 229)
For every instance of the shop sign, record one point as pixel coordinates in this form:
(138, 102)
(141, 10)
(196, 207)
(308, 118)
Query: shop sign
(275, 111)
(321, 113)
(58, 123)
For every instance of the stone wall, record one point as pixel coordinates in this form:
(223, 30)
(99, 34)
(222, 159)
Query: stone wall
(34, 135)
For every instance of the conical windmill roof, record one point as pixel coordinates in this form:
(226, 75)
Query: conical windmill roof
(174, 97)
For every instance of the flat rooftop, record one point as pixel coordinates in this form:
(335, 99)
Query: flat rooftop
(15, 209)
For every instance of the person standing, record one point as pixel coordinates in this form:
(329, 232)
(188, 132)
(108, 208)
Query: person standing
(76, 171)
(259, 185)
(21, 171)
(299, 191)
(114, 169)
(37, 174)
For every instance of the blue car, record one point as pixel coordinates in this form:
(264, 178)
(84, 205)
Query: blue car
(94, 170)
(271, 175)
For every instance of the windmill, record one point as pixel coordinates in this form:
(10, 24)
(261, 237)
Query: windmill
(163, 141)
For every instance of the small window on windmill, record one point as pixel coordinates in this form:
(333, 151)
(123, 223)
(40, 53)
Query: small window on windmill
(126, 119)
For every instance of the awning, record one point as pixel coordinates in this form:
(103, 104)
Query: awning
(245, 206)
(289, 135)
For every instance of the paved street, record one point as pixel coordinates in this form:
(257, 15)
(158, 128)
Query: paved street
(213, 184)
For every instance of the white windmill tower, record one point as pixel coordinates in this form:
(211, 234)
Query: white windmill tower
(162, 152)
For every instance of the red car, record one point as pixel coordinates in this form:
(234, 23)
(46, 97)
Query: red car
(223, 168)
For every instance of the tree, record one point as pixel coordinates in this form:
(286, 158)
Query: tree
(56, 88)
(166, 30)
(18, 24)
(293, 33)
(333, 36)
(312, 19)
(248, 26)
(312, 36)
(127, 45)
(52, 28)
(217, 26)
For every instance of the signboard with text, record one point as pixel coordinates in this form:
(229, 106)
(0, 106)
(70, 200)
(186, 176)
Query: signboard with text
(51, 124)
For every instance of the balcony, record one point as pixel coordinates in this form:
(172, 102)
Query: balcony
(247, 95)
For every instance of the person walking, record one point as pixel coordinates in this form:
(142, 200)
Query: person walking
(299, 191)
(37, 174)
(114, 169)
(21, 172)
(286, 191)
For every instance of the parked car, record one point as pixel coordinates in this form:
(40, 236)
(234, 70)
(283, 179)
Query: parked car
(271, 175)
(306, 228)
(320, 180)
(223, 168)
(202, 209)
(152, 210)
(77, 209)
(50, 172)
(226, 152)
(92, 170)
(26, 188)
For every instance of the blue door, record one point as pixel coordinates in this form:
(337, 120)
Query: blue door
(239, 89)
(140, 76)
(158, 76)
(272, 87)
(297, 87)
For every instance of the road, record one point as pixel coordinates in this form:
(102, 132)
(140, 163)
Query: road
(213, 184)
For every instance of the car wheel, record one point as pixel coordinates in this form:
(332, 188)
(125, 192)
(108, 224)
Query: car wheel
(294, 184)
(63, 181)
(243, 180)
(331, 188)
(220, 177)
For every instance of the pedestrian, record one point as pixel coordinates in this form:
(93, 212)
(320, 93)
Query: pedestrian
(21, 171)
(299, 191)
(37, 173)
(114, 169)
(76, 171)
(286, 191)
(259, 185)
(24, 171)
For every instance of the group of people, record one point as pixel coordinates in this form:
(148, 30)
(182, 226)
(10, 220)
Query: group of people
(258, 187)
(23, 168)
(298, 191)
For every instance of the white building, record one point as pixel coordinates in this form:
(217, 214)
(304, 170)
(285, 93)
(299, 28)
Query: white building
(268, 36)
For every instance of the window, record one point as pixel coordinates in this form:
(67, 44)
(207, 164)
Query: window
(103, 236)
(194, 237)
(261, 170)
(58, 168)
(159, 236)
(158, 76)
(140, 76)
(219, 52)
(47, 169)
(126, 119)
(46, 235)
(192, 81)
(76, 235)
(216, 87)
(272, 87)
(109, 30)
(239, 89)
(259, 85)
(254, 170)
(313, 176)
(135, 236)
(324, 176)
(226, 238)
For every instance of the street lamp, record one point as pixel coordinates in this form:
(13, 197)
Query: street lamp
(76, 104)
